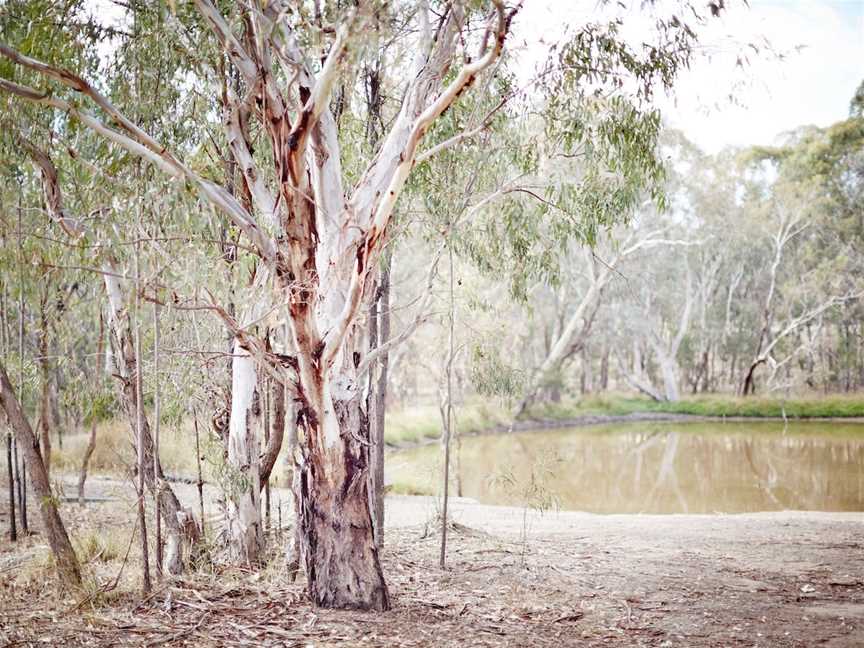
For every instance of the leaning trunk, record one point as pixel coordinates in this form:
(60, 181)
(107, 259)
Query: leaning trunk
(58, 539)
(748, 387)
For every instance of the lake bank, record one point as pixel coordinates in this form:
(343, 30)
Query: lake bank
(421, 424)
(588, 420)
(765, 579)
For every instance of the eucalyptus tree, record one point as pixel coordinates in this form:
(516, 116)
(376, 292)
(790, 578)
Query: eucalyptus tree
(663, 323)
(315, 246)
(813, 257)
(324, 252)
(613, 258)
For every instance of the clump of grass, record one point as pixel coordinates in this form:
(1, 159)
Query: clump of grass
(114, 449)
(99, 547)
(420, 423)
(608, 403)
(412, 424)
(409, 488)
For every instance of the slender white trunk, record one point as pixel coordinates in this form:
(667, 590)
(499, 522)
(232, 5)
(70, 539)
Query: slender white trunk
(669, 369)
(244, 510)
(123, 361)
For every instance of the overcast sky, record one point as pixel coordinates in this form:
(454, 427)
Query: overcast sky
(824, 40)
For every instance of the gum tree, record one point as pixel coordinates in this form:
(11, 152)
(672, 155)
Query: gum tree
(316, 247)
(316, 244)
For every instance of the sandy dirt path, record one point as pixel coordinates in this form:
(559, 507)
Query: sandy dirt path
(557, 579)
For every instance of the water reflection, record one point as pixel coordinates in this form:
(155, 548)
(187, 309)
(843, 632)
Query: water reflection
(660, 468)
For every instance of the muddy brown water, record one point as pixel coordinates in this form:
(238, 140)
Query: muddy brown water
(714, 467)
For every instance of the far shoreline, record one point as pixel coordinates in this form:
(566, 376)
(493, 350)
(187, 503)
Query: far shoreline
(590, 420)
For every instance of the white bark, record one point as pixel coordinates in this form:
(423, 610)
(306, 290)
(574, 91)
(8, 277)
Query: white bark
(575, 330)
(244, 447)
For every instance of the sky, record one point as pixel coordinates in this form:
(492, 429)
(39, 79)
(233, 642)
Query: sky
(823, 63)
(822, 42)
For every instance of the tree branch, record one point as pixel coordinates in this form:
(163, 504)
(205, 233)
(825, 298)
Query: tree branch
(239, 56)
(461, 137)
(262, 197)
(157, 155)
(319, 98)
(51, 189)
(422, 316)
(384, 202)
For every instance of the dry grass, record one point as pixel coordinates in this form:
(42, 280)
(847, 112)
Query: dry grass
(115, 450)
(415, 424)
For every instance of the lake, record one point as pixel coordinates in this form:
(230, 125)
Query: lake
(654, 467)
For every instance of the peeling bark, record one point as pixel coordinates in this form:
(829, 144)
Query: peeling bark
(337, 544)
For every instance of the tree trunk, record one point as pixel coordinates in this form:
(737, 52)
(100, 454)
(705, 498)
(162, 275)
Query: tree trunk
(337, 540)
(45, 400)
(13, 530)
(669, 369)
(378, 399)
(604, 370)
(636, 376)
(587, 382)
(277, 431)
(266, 396)
(292, 472)
(447, 414)
(748, 387)
(91, 441)
(55, 531)
(200, 483)
(146, 585)
(157, 421)
(123, 354)
(244, 481)
(54, 406)
(22, 489)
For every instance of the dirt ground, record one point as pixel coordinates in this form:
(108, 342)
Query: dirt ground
(575, 579)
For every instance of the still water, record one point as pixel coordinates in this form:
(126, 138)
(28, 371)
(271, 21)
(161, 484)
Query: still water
(655, 468)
